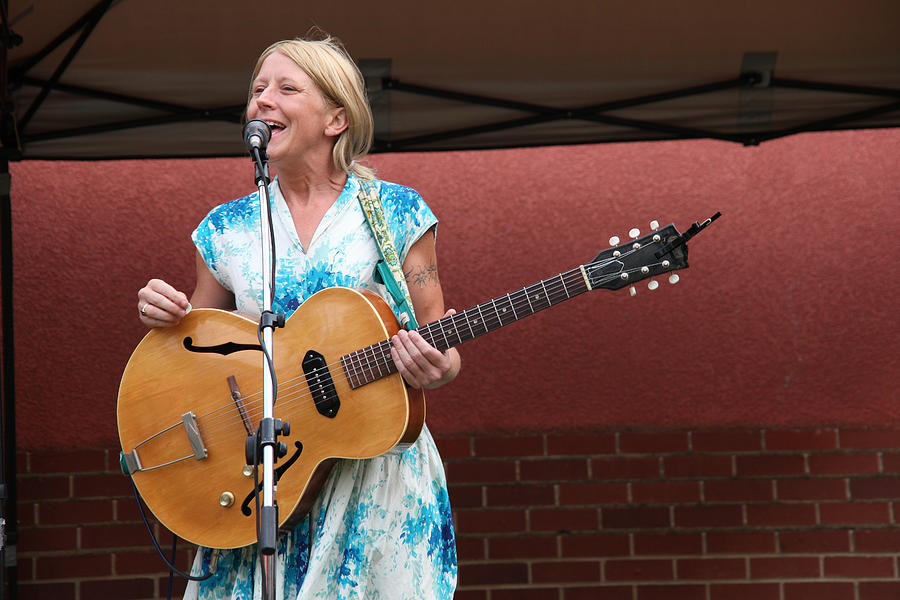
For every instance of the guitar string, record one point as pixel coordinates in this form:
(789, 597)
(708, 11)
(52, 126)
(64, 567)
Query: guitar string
(518, 298)
(515, 299)
(376, 356)
(287, 400)
(365, 370)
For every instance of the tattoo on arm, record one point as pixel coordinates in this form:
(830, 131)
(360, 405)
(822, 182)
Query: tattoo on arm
(422, 275)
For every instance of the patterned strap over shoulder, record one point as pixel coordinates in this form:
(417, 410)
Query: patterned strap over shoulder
(388, 270)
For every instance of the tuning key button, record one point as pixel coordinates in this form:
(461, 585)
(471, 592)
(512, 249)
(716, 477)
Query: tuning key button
(652, 284)
(632, 291)
(674, 278)
(614, 240)
(634, 233)
(654, 225)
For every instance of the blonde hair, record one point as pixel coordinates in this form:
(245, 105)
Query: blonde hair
(329, 65)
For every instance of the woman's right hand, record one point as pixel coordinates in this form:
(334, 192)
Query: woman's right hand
(161, 305)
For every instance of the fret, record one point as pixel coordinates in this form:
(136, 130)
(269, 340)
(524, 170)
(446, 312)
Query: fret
(358, 368)
(499, 318)
(546, 295)
(465, 314)
(528, 300)
(545, 299)
(440, 325)
(366, 363)
(378, 366)
(534, 298)
(565, 288)
(455, 329)
(350, 376)
(386, 358)
(481, 317)
(512, 306)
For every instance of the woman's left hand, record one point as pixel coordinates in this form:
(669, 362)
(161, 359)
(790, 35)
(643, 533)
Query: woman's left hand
(421, 364)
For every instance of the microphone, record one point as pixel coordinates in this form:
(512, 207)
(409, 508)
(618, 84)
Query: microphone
(256, 135)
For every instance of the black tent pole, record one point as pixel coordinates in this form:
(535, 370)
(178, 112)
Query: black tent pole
(8, 509)
(8, 514)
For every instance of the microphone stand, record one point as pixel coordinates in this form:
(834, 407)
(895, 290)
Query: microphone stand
(265, 438)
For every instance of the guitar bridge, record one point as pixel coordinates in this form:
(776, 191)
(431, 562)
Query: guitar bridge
(131, 461)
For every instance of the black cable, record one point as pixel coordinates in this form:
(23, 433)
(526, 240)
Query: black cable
(268, 357)
(172, 567)
(171, 572)
(262, 174)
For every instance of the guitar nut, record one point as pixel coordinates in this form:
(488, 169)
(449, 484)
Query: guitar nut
(226, 499)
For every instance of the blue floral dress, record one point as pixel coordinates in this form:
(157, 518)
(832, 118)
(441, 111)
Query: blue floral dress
(381, 528)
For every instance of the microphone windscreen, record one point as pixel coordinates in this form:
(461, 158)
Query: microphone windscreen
(256, 135)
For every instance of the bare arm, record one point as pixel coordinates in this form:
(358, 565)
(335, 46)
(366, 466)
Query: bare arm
(161, 305)
(421, 364)
(208, 292)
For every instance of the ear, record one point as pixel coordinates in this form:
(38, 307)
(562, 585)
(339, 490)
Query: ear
(338, 122)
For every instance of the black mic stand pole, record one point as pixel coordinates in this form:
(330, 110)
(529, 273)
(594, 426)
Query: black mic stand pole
(269, 428)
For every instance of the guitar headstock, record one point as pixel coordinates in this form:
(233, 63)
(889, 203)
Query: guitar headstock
(661, 251)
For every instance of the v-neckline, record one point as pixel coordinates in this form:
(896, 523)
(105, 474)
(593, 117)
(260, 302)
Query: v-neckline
(287, 219)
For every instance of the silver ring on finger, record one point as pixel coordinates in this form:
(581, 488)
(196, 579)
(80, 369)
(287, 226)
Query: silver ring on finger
(144, 310)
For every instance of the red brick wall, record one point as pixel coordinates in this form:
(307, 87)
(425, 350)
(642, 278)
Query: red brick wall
(767, 514)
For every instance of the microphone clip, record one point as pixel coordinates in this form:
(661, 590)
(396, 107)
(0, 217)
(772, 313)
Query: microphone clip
(260, 167)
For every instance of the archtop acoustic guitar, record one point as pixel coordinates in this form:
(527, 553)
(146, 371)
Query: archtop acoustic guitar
(191, 395)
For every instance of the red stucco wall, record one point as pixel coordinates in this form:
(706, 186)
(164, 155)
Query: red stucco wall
(785, 318)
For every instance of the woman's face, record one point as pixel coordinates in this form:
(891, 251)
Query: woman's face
(285, 97)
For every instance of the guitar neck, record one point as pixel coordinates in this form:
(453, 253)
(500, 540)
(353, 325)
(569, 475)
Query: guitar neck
(374, 362)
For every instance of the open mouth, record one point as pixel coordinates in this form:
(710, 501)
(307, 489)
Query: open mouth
(275, 126)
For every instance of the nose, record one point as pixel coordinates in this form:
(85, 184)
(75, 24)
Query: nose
(265, 99)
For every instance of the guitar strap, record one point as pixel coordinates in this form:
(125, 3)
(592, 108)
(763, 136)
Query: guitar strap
(388, 271)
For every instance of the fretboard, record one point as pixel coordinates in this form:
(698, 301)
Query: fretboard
(374, 362)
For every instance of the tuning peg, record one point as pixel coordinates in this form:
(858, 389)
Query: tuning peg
(652, 284)
(632, 291)
(634, 233)
(674, 278)
(614, 240)
(654, 225)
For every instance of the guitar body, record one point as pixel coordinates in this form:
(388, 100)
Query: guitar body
(206, 496)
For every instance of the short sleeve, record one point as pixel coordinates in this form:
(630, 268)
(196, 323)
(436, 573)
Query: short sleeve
(408, 216)
(222, 232)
